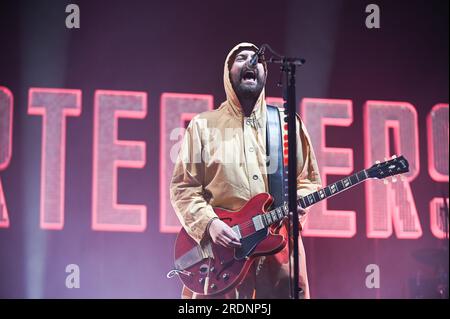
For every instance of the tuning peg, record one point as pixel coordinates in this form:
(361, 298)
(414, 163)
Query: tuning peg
(394, 179)
(394, 156)
(377, 162)
(385, 181)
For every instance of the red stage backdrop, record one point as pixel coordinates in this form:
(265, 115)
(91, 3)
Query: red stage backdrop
(91, 121)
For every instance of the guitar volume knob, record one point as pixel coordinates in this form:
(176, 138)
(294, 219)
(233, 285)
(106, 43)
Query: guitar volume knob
(203, 269)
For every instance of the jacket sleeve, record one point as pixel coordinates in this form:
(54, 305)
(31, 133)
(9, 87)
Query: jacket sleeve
(186, 187)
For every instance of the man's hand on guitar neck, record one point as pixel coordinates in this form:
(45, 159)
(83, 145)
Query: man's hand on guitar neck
(222, 234)
(301, 211)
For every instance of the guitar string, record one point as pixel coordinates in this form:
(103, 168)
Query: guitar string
(250, 224)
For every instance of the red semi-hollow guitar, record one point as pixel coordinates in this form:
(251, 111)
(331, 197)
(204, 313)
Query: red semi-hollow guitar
(211, 269)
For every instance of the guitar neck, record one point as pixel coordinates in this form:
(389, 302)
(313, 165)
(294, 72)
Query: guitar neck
(275, 215)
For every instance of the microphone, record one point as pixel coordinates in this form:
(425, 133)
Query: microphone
(257, 56)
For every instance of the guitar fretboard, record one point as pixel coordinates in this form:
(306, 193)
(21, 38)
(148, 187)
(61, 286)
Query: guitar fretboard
(279, 213)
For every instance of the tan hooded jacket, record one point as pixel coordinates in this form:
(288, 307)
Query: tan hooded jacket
(222, 163)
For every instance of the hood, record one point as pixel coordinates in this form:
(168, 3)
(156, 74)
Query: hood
(232, 102)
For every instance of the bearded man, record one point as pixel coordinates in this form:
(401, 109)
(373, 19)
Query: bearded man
(222, 163)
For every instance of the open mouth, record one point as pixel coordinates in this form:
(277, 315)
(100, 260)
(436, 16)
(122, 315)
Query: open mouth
(249, 76)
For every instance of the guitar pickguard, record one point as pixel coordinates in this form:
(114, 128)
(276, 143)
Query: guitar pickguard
(249, 243)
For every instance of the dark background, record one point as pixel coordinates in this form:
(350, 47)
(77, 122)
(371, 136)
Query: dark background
(180, 46)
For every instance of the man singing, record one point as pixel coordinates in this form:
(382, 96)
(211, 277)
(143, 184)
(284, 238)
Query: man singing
(222, 163)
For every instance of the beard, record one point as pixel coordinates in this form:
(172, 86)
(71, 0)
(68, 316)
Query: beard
(246, 91)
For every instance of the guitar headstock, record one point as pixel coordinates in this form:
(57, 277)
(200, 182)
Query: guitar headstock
(395, 166)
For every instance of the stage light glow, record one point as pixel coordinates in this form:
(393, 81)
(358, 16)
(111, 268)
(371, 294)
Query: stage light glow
(317, 114)
(54, 105)
(6, 123)
(391, 206)
(438, 143)
(110, 154)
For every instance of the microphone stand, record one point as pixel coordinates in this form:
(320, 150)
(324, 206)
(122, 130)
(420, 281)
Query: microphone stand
(288, 66)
